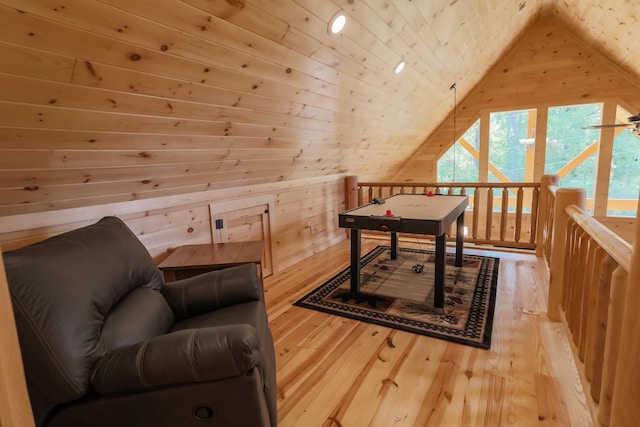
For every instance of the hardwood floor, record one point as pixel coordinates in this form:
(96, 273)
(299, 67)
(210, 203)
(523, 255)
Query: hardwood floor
(336, 372)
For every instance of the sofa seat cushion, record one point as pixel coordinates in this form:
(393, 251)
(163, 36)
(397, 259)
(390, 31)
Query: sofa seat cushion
(252, 313)
(141, 314)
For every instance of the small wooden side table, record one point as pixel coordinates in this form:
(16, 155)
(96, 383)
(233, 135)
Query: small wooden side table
(191, 260)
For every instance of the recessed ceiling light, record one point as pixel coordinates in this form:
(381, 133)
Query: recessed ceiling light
(399, 67)
(336, 24)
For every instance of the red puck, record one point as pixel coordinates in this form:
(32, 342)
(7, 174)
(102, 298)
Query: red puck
(430, 193)
(388, 213)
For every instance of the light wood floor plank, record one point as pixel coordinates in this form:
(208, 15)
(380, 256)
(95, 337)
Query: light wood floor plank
(333, 371)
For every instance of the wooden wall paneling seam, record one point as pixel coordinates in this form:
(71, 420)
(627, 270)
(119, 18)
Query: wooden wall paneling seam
(162, 225)
(300, 19)
(395, 39)
(43, 206)
(594, 47)
(475, 101)
(87, 158)
(235, 93)
(16, 59)
(115, 52)
(28, 179)
(39, 192)
(40, 116)
(42, 92)
(247, 42)
(193, 49)
(43, 139)
(44, 219)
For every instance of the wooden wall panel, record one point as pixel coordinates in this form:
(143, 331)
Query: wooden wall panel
(107, 101)
(103, 101)
(304, 216)
(547, 66)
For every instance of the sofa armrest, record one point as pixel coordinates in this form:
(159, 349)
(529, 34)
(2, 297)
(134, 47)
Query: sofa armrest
(215, 289)
(182, 357)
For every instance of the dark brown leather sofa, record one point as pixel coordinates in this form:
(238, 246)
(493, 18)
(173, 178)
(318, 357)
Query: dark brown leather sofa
(106, 343)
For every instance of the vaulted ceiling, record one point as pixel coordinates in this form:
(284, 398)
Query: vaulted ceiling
(114, 100)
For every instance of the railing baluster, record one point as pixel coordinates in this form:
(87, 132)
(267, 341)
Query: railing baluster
(476, 212)
(608, 265)
(480, 217)
(503, 213)
(594, 286)
(578, 283)
(586, 297)
(618, 294)
(519, 214)
(489, 222)
(551, 200)
(535, 204)
(568, 266)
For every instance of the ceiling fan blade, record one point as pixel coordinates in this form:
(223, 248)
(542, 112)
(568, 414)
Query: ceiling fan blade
(606, 126)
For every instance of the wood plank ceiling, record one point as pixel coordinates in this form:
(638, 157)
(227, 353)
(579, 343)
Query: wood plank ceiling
(114, 100)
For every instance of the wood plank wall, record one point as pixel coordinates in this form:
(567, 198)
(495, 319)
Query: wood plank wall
(304, 218)
(104, 101)
(547, 66)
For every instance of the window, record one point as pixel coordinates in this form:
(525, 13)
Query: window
(511, 142)
(571, 150)
(460, 163)
(624, 183)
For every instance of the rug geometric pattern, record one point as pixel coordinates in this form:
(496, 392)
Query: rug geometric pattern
(399, 294)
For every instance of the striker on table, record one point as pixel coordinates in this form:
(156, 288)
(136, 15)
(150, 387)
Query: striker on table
(408, 213)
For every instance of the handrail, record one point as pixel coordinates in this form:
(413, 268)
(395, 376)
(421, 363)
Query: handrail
(501, 214)
(613, 244)
(590, 267)
(449, 184)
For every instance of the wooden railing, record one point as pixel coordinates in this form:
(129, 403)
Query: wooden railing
(548, 187)
(499, 214)
(594, 285)
(591, 290)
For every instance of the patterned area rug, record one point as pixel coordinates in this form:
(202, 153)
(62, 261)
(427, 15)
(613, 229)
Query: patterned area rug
(399, 294)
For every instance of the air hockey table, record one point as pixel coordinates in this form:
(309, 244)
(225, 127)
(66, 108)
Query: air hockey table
(408, 213)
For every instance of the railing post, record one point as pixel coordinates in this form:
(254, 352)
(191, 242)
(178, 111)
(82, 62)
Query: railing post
(15, 407)
(545, 183)
(351, 192)
(616, 313)
(564, 198)
(625, 411)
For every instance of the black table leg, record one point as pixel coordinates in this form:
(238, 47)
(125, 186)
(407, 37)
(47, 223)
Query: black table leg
(438, 289)
(394, 245)
(459, 239)
(355, 260)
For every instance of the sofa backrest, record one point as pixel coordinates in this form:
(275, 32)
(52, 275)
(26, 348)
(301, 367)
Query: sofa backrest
(62, 289)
